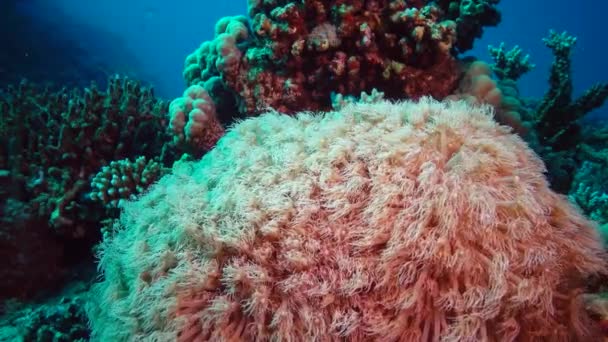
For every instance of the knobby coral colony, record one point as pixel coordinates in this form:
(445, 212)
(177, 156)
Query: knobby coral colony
(291, 55)
(73, 157)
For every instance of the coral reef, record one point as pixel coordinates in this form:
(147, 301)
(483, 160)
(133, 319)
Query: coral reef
(590, 191)
(52, 143)
(32, 257)
(509, 64)
(193, 120)
(412, 221)
(420, 220)
(123, 180)
(59, 319)
(556, 120)
(292, 55)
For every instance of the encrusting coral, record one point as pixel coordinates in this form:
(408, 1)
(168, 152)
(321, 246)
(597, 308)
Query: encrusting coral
(413, 221)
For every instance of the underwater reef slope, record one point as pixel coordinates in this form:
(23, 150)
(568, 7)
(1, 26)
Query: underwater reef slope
(416, 221)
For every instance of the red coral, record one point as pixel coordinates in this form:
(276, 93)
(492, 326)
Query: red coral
(296, 54)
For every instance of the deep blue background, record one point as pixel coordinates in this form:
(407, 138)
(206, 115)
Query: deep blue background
(157, 35)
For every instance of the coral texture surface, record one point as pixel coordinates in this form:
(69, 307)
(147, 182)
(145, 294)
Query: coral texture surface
(414, 221)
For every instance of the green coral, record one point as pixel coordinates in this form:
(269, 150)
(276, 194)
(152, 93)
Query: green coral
(120, 181)
(123, 180)
(591, 191)
(511, 64)
(54, 141)
(57, 319)
(557, 132)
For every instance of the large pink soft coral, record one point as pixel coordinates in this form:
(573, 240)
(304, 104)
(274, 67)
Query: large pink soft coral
(383, 222)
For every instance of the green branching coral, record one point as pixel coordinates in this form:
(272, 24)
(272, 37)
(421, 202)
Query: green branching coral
(470, 17)
(55, 141)
(511, 64)
(558, 113)
(590, 184)
(556, 131)
(123, 180)
(590, 193)
(595, 147)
